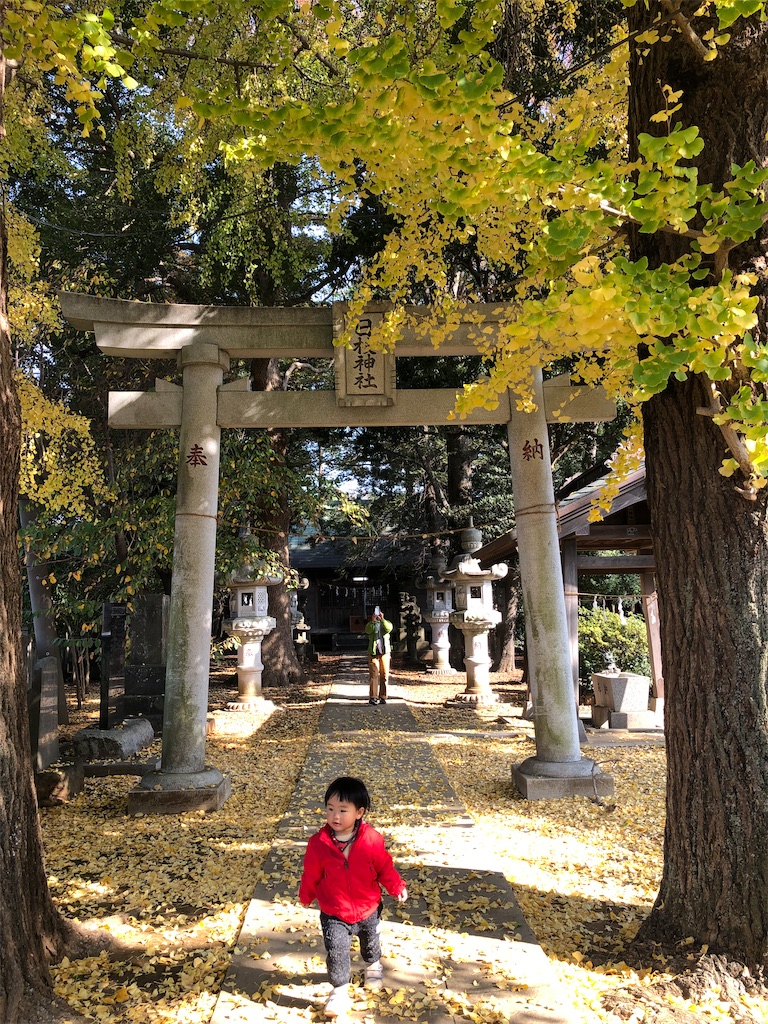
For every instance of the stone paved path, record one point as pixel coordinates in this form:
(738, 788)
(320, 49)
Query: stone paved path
(458, 950)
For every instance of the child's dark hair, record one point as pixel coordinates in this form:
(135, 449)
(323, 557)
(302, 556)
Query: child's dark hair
(349, 790)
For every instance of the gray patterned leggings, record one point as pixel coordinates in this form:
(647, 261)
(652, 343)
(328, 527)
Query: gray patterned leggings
(337, 935)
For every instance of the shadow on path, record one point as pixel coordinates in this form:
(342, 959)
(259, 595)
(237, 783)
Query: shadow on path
(458, 950)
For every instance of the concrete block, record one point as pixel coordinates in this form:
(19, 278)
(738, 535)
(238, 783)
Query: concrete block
(114, 744)
(601, 716)
(538, 788)
(179, 801)
(105, 769)
(621, 691)
(632, 720)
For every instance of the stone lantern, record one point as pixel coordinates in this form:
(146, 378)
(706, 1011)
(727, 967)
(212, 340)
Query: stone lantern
(299, 626)
(250, 623)
(439, 604)
(474, 614)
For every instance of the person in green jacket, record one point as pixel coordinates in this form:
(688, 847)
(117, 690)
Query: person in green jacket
(379, 653)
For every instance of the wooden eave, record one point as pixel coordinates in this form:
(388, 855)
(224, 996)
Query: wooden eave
(626, 528)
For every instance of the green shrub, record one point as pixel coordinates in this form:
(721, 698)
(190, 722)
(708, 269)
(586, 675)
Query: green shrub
(602, 634)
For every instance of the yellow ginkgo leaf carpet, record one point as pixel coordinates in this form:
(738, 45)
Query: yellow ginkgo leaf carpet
(171, 894)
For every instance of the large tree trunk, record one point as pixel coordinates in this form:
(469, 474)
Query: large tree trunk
(281, 665)
(712, 556)
(460, 452)
(29, 924)
(511, 591)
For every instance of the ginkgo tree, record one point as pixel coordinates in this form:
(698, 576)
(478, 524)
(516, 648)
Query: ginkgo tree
(630, 218)
(73, 48)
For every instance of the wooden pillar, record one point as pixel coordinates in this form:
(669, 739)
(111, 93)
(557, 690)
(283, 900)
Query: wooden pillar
(571, 588)
(651, 613)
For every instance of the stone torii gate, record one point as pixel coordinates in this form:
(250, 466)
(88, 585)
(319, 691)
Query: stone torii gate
(203, 339)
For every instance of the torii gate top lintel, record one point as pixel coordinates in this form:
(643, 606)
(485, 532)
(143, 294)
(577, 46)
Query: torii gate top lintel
(153, 330)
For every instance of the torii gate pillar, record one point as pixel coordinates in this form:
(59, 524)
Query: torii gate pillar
(558, 769)
(184, 782)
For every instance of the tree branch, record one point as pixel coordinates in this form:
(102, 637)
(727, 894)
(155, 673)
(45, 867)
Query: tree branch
(306, 45)
(686, 29)
(298, 364)
(732, 439)
(173, 51)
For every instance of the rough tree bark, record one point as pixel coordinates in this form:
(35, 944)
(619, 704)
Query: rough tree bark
(460, 453)
(711, 552)
(281, 665)
(511, 591)
(30, 927)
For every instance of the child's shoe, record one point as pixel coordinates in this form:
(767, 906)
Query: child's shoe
(338, 1002)
(374, 975)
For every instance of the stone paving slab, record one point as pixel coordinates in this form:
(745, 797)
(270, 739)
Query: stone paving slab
(458, 950)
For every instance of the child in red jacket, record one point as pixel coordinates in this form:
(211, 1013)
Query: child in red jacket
(345, 866)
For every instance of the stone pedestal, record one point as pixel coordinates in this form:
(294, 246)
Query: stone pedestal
(621, 691)
(621, 701)
(474, 615)
(441, 644)
(477, 660)
(547, 780)
(250, 633)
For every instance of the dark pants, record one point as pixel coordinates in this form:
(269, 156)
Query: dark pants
(337, 935)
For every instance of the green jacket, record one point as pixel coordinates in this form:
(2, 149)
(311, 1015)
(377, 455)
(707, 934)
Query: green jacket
(386, 629)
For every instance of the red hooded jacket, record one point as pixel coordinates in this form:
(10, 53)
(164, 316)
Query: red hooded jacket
(349, 889)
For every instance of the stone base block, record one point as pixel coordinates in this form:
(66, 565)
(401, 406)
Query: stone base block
(541, 780)
(601, 716)
(604, 718)
(483, 698)
(167, 800)
(656, 704)
(633, 720)
(246, 704)
(56, 786)
(106, 769)
(441, 671)
(223, 723)
(117, 744)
